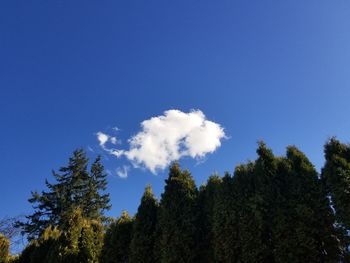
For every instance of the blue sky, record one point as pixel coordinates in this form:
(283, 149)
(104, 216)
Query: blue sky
(272, 70)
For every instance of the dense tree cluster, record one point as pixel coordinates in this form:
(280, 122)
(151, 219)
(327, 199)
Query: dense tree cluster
(276, 209)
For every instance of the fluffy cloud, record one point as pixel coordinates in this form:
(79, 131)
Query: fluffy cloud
(167, 138)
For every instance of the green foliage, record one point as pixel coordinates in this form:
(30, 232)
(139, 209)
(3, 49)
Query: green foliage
(42, 247)
(4, 249)
(142, 245)
(75, 187)
(178, 218)
(207, 198)
(81, 240)
(304, 223)
(117, 240)
(336, 177)
(272, 210)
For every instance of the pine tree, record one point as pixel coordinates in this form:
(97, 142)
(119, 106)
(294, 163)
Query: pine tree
(142, 246)
(116, 247)
(75, 187)
(178, 218)
(4, 249)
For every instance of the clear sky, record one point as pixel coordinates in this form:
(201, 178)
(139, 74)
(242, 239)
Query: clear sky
(272, 70)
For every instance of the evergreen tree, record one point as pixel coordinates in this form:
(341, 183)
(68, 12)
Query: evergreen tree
(75, 187)
(42, 246)
(81, 240)
(255, 220)
(4, 249)
(178, 218)
(224, 225)
(336, 178)
(142, 246)
(206, 199)
(304, 223)
(116, 247)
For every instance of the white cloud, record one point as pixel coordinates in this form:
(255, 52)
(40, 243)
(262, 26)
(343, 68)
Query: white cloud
(122, 172)
(113, 140)
(102, 138)
(169, 137)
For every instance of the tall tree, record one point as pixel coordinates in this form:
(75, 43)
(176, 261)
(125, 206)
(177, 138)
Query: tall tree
(224, 225)
(178, 218)
(255, 220)
(116, 247)
(336, 177)
(74, 187)
(142, 246)
(207, 198)
(303, 221)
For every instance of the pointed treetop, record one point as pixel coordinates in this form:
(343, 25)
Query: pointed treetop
(263, 151)
(335, 147)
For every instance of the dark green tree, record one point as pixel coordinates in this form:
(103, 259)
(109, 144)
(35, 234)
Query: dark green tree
(255, 217)
(207, 197)
(224, 222)
(142, 246)
(116, 247)
(336, 178)
(303, 221)
(178, 218)
(75, 187)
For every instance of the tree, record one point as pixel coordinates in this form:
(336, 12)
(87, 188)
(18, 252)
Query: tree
(256, 210)
(75, 187)
(116, 247)
(41, 248)
(224, 225)
(80, 241)
(336, 178)
(303, 224)
(207, 198)
(142, 246)
(178, 218)
(4, 249)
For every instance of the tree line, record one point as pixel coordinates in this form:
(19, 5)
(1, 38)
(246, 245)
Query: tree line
(274, 209)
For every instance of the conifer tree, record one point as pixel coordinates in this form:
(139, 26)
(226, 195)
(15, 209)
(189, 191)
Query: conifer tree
(255, 224)
(224, 222)
(178, 218)
(336, 178)
(4, 249)
(81, 240)
(304, 223)
(41, 248)
(336, 175)
(75, 187)
(142, 246)
(116, 247)
(207, 198)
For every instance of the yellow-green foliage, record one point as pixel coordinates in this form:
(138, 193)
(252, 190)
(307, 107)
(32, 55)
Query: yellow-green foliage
(81, 240)
(4, 249)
